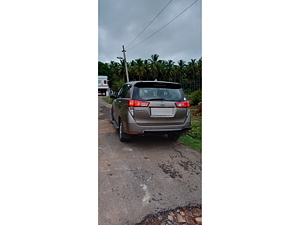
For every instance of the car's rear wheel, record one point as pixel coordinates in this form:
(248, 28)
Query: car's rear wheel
(122, 136)
(174, 136)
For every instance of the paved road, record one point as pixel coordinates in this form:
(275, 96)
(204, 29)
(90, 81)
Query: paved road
(144, 176)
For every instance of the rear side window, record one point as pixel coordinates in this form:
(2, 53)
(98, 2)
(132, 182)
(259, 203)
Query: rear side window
(124, 91)
(149, 92)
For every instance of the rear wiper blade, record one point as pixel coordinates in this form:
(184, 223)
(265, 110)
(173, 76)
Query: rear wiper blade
(151, 99)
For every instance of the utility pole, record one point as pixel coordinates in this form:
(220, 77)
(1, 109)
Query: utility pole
(125, 64)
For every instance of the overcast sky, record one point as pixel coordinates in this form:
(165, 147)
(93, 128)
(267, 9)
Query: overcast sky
(121, 21)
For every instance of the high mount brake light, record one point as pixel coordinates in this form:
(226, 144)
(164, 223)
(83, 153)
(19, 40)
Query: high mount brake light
(135, 103)
(183, 104)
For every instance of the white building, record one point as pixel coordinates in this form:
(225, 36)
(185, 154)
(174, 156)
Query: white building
(103, 89)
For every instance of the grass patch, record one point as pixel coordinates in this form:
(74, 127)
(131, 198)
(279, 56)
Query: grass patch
(193, 138)
(193, 143)
(108, 99)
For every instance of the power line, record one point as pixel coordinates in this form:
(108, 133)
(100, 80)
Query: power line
(149, 23)
(163, 26)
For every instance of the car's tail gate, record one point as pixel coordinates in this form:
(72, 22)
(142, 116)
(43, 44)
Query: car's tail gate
(158, 104)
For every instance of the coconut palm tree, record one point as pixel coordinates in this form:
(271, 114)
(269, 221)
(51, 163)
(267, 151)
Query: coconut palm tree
(160, 70)
(191, 68)
(154, 65)
(199, 72)
(116, 69)
(189, 75)
(181, 70)
(139, 68)
(132, 70)
(122, 70)
(169, 70)
(147, 69)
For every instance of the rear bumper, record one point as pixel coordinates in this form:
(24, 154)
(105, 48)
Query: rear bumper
(132, 128)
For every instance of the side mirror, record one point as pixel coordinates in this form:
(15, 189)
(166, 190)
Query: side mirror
(113, 96)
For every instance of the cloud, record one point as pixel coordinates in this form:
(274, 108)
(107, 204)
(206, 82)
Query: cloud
(120, 22)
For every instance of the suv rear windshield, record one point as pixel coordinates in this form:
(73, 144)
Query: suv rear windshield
(150, 92)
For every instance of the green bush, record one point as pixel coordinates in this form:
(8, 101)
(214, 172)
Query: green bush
(196, 97)
(187, 91)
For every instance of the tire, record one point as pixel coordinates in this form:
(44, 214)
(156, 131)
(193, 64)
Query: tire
(173, 136)
(122, 136)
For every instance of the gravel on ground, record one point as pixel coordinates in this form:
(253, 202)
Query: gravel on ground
(189, 215)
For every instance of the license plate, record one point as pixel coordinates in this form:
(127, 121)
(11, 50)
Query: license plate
(161, 112)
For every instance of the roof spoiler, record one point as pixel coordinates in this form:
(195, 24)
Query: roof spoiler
(158, 84)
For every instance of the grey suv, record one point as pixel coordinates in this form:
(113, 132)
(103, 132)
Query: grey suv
(143, 107)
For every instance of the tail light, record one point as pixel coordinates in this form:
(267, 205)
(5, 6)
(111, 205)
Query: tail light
(135, 103)
(185, 104)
